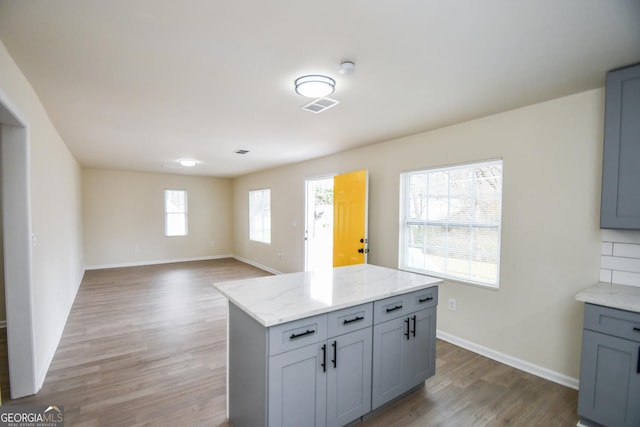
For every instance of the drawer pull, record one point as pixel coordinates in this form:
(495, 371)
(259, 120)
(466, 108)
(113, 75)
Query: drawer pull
(397, 307)
(355, 319)
(414, 325)
(425, 299)
(303, 334)
(335, 354)
(637, 329)
(324, 358)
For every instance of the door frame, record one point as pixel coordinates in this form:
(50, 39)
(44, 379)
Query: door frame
(16, 215)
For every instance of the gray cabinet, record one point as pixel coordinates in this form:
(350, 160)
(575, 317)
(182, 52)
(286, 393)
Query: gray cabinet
(326, 383)
(403, 344)
(318, 371)
(348, 377)
(322, 384)
(610, 368)
(297, 388)
(620, 205)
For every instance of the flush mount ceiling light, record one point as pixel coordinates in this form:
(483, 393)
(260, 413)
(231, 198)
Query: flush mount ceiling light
(188, 162)
(315, 86)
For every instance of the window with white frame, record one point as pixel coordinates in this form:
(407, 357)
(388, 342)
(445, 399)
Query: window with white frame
(175, 213)
(260, 215)
(451, 222)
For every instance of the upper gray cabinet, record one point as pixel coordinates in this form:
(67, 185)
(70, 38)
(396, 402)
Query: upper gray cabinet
(620, 206)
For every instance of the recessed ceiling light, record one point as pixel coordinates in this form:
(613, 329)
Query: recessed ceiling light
(315, 86)
(188, 162)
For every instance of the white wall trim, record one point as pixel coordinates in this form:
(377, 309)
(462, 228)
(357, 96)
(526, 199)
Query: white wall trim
(260, 266)
(154, 262)
(514, 362)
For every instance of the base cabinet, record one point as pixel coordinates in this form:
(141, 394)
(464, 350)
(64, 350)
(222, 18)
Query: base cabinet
(322, 384)
(321, 371)
(609, 392)
(403, 354)
(297, 388)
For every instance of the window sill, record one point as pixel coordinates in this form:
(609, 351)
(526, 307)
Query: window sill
(481, 285)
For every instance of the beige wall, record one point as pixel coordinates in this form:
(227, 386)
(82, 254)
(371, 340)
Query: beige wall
(124, 210)
(550, 239)
(57, 262)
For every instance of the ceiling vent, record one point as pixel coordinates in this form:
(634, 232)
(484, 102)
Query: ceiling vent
(321, 104)
(241, 151)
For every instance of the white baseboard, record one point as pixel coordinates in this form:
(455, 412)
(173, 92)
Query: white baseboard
(522, 365)
(255, 264)
(154, 262)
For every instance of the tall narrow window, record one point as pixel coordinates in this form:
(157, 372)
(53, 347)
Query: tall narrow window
(451, 222)
(175, 213)
(260, 215)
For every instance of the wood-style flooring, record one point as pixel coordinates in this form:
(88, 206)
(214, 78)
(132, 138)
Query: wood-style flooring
(147, 346)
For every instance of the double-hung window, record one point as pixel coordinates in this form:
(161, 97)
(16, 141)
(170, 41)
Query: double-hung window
(175, 213)
(451, 222)
(260, 215)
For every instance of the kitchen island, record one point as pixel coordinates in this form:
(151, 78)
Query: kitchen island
(327, 347)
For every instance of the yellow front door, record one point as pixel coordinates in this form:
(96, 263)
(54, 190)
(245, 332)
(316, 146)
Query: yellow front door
(350, 218)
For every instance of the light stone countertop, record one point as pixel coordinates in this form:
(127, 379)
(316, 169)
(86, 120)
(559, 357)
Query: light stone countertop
(283, 298)
(622, 297)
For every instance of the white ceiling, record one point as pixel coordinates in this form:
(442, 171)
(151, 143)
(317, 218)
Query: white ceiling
(138, 84)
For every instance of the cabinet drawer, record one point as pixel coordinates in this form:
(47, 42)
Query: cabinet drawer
(350, 319)
(391, 308)
(296, 334)
(611, 321)
(423, 298)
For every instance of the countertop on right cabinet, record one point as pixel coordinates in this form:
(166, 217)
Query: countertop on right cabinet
(622, 297)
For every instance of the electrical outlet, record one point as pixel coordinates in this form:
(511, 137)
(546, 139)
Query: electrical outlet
(453, 304)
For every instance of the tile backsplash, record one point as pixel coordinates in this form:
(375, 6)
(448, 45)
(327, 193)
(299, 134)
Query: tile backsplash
(620, 257)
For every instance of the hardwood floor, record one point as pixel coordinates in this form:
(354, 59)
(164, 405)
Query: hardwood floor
(147, 346)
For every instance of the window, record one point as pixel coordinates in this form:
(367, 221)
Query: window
(451, 222)
(260, 215)
(175, 213)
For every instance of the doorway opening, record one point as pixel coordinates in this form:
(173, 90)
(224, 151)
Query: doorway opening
(319, 223)
(16, 250)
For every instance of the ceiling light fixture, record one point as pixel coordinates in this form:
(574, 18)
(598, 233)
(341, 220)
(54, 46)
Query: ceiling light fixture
(188, 162)
(315, 86)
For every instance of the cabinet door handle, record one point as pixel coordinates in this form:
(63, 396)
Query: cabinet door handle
(324, 358)
(414, 326)
(425, 299)
(406, 334)
(397, 307)
(303, 334)
(355, 319)
(638, 370)
(335, 354)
